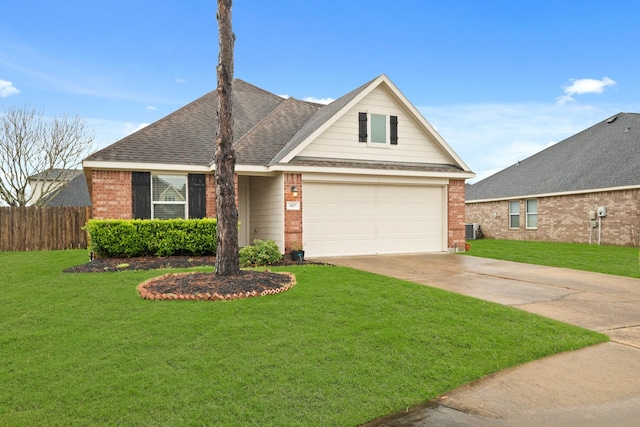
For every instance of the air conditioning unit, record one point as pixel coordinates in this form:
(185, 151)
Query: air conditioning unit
(472, 231)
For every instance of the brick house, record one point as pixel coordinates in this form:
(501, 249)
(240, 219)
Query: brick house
(365, 174)
(584, 189)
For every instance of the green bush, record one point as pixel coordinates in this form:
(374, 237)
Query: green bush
(261, 253)
(144, 237)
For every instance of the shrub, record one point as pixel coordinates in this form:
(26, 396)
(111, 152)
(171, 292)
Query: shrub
(261, 253)
(143, 237)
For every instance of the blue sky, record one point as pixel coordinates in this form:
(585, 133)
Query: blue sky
(500, 80)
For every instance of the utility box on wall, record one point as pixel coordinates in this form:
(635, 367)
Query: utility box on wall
(602, 211)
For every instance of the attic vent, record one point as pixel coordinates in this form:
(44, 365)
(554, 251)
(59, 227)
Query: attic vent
(612, 119)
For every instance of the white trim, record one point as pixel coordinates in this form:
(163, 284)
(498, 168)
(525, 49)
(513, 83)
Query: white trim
(373, 179)
(562, 193)
(364, 171)
(136, 166)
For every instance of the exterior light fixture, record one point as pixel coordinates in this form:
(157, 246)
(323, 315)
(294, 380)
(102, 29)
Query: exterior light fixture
(294, 191)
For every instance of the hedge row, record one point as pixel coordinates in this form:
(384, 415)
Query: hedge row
(144, 237)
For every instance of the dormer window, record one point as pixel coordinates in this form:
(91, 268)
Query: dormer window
(378, 129)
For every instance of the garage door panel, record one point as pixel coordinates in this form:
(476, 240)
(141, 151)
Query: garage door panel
(354, 219)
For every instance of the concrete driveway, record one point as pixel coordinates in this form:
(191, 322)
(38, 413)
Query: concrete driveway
(595, 386)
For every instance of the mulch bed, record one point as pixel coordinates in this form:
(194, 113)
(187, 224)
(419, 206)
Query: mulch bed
(193, 285)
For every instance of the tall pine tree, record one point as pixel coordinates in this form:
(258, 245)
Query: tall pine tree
(227, 262)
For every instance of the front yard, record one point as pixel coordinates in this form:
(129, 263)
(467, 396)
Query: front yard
(342, 347)
(617, 260)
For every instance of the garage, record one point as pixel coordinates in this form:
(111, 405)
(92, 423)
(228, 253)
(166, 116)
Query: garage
(366, 219)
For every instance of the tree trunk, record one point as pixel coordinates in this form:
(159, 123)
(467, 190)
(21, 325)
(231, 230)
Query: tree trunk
(227, 263)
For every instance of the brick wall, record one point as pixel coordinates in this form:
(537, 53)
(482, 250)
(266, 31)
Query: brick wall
(455, 214)
(111, 194)
(565, 218)
(211, 195)
(292, 218)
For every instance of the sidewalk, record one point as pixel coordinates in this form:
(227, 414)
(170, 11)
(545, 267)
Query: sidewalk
(594, 386)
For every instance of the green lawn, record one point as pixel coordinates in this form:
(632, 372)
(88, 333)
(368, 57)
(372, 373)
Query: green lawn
(340, 348)
(621, 261)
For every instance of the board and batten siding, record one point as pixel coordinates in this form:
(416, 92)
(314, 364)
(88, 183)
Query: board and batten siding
(341, 139)
(266, 212)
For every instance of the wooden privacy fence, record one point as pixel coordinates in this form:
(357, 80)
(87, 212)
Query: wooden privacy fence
(33, 228)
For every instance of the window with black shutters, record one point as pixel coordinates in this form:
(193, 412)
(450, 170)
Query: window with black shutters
(168, 196)
(377, 130)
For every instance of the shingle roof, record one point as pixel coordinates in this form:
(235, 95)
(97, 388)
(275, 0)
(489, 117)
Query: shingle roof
(606, 155)
(181, 137)
(267, 128)
(318, 119)
(73, 193)
(361, 164)
(269, 136)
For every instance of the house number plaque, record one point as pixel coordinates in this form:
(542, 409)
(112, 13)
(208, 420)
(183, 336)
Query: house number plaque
(293, 206)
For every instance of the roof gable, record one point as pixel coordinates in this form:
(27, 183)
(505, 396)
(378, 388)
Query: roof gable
(333, 133)
(269, 132)
(606, 155)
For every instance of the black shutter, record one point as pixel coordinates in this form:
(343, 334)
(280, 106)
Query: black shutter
(141, 195)
(362, 121)
(197, 184)
(394, 130)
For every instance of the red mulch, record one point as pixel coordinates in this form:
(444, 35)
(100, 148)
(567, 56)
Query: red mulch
(193, 285)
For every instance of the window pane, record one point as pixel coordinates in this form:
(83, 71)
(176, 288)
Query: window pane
(379, 128)
(169, 188)
(532, 214)
(532, 206)
(168, 211)
(514, 214)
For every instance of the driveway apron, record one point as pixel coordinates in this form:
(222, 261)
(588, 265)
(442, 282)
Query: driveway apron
(594, 386)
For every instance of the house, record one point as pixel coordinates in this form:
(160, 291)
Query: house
(365, 174)
(65, 187)
(584, 189)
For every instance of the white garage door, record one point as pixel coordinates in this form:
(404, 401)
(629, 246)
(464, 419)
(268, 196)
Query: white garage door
(360, 219)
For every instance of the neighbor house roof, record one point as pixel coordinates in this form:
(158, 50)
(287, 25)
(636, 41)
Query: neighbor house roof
(73, 193)
(604, 156)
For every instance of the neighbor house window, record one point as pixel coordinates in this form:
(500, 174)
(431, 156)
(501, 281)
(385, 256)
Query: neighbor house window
(168, 196)
(378, 129)
(514, 214)
(532, 213)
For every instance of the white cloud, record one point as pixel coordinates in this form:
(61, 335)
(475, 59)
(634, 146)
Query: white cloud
(312, 99)
(180, 80)
(151, 108)
(319, 100)
(582, 86)
(491, 137)
(130, 128)
(7, 89)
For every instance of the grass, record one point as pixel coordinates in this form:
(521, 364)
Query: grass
(340, 348)
(617, 260)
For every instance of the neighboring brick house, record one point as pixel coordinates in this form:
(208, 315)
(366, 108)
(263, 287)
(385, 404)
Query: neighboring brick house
(364, 174)
(585, 189)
